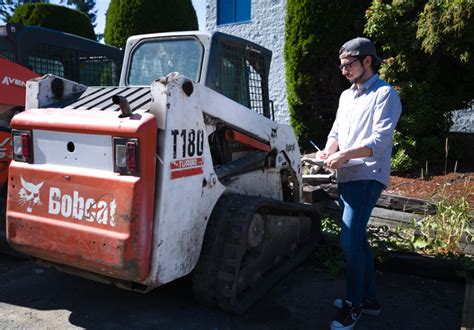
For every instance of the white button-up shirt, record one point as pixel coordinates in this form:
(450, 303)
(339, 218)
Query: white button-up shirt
(367, 116)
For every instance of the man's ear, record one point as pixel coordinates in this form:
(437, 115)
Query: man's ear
(368, 61)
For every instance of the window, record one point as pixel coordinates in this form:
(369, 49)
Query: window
(233, 11)
(154, 59)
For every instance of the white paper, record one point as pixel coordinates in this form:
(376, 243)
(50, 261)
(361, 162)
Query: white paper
(320, 162)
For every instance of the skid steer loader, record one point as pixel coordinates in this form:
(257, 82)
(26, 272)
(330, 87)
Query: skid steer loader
(180, 169)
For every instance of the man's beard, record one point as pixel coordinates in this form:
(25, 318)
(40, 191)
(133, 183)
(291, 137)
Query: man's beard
(358, 79)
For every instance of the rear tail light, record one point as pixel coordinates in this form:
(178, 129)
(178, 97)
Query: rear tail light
(126, 156)
(22, 146)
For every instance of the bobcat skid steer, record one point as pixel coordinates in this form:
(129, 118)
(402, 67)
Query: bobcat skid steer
(180, 169)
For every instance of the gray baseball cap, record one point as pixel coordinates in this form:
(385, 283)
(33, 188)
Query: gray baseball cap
(359, 47)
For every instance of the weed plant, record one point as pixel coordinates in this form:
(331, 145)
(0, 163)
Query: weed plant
(444, 234)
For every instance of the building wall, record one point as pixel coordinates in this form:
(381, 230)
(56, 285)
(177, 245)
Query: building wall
(266, 28)
(463, 121)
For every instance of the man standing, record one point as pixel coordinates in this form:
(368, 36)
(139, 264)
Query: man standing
(366, 118)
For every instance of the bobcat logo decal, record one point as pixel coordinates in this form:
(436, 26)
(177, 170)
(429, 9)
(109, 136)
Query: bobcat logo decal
(29, 194)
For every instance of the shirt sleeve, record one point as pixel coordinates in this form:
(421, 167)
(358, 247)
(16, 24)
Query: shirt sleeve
(334, 132)
(386, 114)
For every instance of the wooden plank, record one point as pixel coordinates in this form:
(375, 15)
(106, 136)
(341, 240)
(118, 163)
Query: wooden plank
(406, 204)
(315, 179)
(467, 248)
(379, 215)
(394, 215)
(468, 309)
(314, 194)
(390, 201)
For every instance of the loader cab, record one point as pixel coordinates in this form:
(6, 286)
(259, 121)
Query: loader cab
(6, 47)
(231, 66)
(75, 58)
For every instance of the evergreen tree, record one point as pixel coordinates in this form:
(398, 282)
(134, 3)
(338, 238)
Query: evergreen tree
(315, 30)
(86, 7)
(428, 46)
(54, 17)
(7, 7)
(126, 18)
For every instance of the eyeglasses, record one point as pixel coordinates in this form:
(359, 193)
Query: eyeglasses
(348, 65)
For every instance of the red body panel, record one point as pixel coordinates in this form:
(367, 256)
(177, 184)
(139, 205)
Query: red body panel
(233, 135)
(94, 220)
(5, 156)
(13, 78)
(12, 93)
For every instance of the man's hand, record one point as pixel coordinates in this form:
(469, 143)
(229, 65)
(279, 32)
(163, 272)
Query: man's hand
(321, 155)
(335, 160)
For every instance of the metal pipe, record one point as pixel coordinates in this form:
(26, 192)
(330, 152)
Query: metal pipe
(123, 104)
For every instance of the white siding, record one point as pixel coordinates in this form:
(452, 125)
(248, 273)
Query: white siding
(267, 28)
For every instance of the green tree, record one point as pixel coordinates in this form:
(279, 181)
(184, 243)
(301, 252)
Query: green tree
(315, 30)
(7, 7)
(54, 17)
(126, 18)
(448, 25)
(86, 7)
(428, 48)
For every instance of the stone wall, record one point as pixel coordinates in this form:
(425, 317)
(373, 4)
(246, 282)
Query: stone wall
(462, 136)
(266, 28)
(463, 121)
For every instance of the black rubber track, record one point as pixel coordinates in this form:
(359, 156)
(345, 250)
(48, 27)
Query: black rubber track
(216, 276)
(205, 272)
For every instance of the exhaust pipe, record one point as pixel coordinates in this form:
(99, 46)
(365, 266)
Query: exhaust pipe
(123, 104)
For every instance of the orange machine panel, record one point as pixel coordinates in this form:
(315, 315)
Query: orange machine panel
(97, 221)
(12, 85)
(5, 156)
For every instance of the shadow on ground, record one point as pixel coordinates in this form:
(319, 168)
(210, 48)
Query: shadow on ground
(35, 297)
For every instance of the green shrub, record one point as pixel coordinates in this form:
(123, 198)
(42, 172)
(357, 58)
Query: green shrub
(428, 47)
(401, 162)
(315, 30)
(127, 18)
(54, 17)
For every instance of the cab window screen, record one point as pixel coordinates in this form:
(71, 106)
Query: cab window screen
(154, 59)
(45, 65)
(5, 50)
(82, 67)
(98, 71)
(240, 73)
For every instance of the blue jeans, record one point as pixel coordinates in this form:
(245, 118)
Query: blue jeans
(356, 200)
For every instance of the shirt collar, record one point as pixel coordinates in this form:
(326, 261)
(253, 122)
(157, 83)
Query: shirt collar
(367, 84)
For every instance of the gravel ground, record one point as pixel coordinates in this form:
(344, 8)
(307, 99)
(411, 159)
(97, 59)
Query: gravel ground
(33, 297)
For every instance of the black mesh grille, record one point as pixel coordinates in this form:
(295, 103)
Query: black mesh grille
(7, 54)
(239, 76)
(90, 70)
